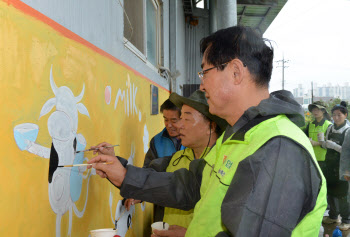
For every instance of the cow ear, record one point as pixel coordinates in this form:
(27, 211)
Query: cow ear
(82, 109)
(47, 107)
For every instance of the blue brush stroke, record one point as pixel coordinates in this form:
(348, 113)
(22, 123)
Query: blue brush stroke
(76, 179)
(22, 137)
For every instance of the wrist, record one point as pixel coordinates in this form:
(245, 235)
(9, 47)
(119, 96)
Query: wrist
(123, 174)
(117, 180)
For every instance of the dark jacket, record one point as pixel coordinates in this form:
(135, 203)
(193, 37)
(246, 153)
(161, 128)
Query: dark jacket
(281, 164)
(335, 185)
(161, 145)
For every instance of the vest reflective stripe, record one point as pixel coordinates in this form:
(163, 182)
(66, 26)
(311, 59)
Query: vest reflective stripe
(221, 167)
(164, 145)
(320, 152)
(174, 216)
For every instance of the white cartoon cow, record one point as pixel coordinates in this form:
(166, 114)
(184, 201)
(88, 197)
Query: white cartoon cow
(123, 217)
(65, 184)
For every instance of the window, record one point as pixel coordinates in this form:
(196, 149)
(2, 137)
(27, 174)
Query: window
(142, 29)
(200, 4)
(133, 23)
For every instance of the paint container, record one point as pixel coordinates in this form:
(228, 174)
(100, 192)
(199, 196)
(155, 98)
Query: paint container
(110, 232)
(160, 225)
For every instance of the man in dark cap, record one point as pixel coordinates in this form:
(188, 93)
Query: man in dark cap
(198, 131)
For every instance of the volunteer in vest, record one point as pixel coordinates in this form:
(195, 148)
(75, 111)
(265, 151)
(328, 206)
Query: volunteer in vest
(316, 130)
(261, 178)
(337, 143)
(198, 132)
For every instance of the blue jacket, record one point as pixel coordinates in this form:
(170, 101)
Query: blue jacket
(161, 145)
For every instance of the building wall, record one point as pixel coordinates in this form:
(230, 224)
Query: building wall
(101, 23)
(180, 46)
(67, 79)
(194, 34)
(166, 34)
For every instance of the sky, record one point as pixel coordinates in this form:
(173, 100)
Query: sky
(314, 35)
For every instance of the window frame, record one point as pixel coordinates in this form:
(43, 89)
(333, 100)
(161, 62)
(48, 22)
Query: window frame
(159, 45)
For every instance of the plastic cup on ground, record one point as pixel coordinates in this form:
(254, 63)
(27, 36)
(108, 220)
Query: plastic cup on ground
(110, 232)
(160, 225)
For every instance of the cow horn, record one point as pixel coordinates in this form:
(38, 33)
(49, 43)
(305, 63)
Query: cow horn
(79, 97)
(53, 85)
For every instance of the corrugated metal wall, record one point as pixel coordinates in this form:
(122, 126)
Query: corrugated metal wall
(193, 36)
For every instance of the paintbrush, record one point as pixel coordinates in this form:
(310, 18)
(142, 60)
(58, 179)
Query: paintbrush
(94, 149)
(106, 163)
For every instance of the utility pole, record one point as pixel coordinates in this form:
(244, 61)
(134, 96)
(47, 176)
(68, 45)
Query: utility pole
(283, 67)
(312, 92)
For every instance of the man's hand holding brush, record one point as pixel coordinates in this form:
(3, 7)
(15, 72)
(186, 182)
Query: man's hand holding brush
(114, 171)
(104, 148)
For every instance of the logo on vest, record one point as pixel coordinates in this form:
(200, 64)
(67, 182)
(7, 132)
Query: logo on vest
(224, 159)
(228, 164)
(221, 172)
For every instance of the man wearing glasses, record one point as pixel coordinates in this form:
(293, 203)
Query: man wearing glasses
(261, 178)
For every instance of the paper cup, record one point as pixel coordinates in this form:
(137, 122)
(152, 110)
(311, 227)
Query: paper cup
(320, 136)
(103, 232)
(160, 225)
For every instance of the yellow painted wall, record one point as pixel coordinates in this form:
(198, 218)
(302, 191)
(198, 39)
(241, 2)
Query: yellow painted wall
(28, 50)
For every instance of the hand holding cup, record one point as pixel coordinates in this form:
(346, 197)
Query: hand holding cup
(172, 231)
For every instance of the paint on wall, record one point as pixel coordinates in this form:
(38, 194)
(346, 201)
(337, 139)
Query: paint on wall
(60, 96)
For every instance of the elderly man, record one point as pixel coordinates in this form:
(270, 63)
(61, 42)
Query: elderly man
(198, 132)
(261, 178)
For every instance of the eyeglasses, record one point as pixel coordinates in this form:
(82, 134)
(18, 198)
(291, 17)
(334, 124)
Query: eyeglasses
(202, 73)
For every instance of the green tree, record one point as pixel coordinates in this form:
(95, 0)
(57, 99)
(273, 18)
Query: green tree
(330, 104)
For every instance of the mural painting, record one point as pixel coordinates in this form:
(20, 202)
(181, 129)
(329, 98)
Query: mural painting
(61, 95)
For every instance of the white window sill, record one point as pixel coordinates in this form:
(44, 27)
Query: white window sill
(139, 54)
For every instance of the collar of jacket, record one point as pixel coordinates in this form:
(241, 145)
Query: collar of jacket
(341, 126)
(189, 154)
(320, 123)
(239, 135)
(165, 133)
(279, 102)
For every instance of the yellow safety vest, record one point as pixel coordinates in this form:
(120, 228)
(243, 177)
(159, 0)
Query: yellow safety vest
(221, 167)
(320, 152)
(180, 159)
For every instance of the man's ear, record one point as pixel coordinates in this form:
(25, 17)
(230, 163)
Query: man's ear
(238, 71)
